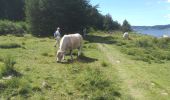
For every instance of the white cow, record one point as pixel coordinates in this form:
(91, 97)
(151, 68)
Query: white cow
(165, 36)
(69, 42)
(126, 35)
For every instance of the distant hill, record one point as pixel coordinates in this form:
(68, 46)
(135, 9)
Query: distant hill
(158, 27)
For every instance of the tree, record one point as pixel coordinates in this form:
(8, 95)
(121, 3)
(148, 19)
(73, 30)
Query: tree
(109, 24)
(12, 9)
(126, 27)
(45, 15)
(95, 19)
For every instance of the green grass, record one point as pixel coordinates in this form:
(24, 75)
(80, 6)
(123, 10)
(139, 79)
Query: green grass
(110, 68)
(36, 63)
(8, 67)
(9, 45)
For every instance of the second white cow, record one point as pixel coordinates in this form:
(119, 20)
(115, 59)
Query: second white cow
(126, 35)
(69, 42)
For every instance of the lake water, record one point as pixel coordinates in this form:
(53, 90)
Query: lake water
(154, 32)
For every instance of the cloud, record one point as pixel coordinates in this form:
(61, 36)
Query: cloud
(168, 16)
(168, 1)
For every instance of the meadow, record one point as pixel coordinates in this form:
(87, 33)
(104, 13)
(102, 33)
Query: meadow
(110, 68)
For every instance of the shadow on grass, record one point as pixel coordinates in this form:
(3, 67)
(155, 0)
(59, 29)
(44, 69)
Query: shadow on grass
(100, 39)
(9, 45)
(13, 73)
(85, 59)
(82, 59)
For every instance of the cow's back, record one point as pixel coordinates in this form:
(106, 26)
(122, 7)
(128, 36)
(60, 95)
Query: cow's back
(69, 42)
(76, 40)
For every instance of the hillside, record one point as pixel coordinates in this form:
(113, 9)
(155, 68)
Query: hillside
(110, 68)
(158, 27)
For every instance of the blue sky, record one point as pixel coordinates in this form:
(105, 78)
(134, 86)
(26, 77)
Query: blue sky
(137, 12)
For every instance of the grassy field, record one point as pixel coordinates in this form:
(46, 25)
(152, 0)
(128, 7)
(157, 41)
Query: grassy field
(110, 68)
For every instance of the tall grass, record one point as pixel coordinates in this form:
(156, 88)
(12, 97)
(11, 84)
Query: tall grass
(16, 86)
(8, 67)
(145, 48)
(95, 86)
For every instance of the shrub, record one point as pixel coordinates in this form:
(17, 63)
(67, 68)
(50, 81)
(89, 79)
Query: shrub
(15, 28)
(163, 43)
(143, 43)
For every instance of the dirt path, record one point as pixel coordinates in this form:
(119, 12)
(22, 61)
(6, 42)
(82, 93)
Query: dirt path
(128, 83)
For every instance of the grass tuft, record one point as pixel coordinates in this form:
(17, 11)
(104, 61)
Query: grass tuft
(44, 54)
(104, 64)
(8, 67)
(95, 86)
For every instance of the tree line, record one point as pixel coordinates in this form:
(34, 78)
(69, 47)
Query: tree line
(44, 16)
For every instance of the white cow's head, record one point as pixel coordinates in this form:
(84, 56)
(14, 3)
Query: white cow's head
(60, 55)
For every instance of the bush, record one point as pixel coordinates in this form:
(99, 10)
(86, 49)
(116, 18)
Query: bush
(143, 43)
(15, 28)
(163, 43)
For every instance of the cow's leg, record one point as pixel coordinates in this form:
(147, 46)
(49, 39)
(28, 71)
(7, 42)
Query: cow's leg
(71, 54)
(79, 51)
(63, 56)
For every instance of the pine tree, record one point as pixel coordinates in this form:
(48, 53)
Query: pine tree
(126, 27)
(109, 24)
(12, 9)
(45, 15)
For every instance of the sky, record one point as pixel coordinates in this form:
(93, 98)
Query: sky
(136, 12)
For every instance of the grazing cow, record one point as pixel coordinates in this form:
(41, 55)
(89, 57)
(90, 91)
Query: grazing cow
(69, 42)
(57, 36)
(126, 35)
(165, 36)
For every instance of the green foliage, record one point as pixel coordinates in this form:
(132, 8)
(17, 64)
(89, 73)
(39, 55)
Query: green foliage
(126, 27)
(145, 48)
(109, 24)
(12, 9)
(95, 19)
(9, 45)
(8, 67)
(45, 15)
(15, 28)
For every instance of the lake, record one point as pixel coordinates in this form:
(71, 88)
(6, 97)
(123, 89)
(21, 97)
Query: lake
(154, 32)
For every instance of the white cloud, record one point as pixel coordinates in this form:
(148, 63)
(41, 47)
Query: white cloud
(168, 1)
(168, 16)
